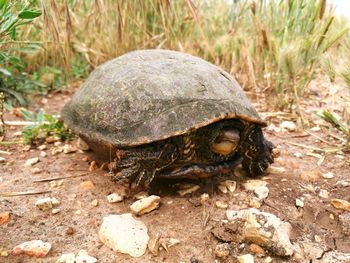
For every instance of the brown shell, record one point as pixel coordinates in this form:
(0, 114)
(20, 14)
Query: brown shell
(150, 95)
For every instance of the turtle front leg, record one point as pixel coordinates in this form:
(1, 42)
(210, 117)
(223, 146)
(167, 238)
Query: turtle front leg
(140, 165)
(255, 150)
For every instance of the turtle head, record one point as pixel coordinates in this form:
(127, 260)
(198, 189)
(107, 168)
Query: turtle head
(226, 142)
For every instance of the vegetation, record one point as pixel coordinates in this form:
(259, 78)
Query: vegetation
(275, 56)
(14, 81)
(45, 125)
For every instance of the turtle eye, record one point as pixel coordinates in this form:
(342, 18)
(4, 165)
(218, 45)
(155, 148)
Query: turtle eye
(226, 142)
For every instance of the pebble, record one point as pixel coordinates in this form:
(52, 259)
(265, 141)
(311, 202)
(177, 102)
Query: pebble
(247, 258)
(221, 204)
(298, 154)
(94, 202)
(87, 185)
(276, 169)
(4, 217)
(341, 204)
(328, 175)
(56, 151)
(36, 248)
(55, 211)
(299, 202)
(3, 252)
(83, 257)
(67, 258)
(288, 125)
(268, 260)
(324, 193)
(31, 161)
(2, 160)
(257, 250)
(124, 234)
(188, 189)
(43, 154)
(222, 188)
(42, 147)
(259, 187)
(114, 198)
(222, 250)
(204, 197)
(36, 170)
(69, 149)
(344, 220)
(46, 203)
(145, 205)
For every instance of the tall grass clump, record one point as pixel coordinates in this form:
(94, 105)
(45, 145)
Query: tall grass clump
(277, 46)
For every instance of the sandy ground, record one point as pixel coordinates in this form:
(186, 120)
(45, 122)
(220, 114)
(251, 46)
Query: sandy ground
(76, 226)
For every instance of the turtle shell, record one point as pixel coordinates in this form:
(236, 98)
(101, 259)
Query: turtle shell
(150, 95)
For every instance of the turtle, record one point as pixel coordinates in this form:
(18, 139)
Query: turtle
(163, 113)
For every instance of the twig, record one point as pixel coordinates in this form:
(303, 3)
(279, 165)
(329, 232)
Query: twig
(58, 178)
(11, 142)
(24, 123)
(5, 152)
(314, 148)
(337, 137)
(9, 194)
(319, 138)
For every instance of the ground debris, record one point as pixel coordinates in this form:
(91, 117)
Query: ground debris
(46, 203)
(31, 161)
(124, 234)
(264, 229)
(186, 189)
(222, 250)
(247, 258)
(341, 204)
(259, 187)
(35, 248)
(145, 205)
(114, 198)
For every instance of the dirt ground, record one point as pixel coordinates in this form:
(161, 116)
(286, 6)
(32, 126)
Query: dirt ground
(76, 226)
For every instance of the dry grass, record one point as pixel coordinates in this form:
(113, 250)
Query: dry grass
(272, 54)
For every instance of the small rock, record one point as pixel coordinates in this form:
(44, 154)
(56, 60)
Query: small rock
(154, 244)
(288, 125)
(255, 202)
(53, 184)
(342, 183)
(268, 260)
(82, 145)
(188, 189)
(258, 187)
(276, 169)
(70, 231)
(31, 161)
(222, 250)
(145, 205)
(42, 147)
(2, 160)
(257, 250)
(341, 204)
(93, 166)
(36, 248)
(4, 217)
(87, 185)
(36, 170)
(204, 197)
(264, 229)
(222, 188)
(231, 185)
(141, 195)
(221, 204)
(114, 198)
(312, 251)
(69, 149)
(78, 212)
(124, 234)
(46, 203)
(299, 202)
(324, 193)
(55, 211)
(298, 154)
(56, 151)
(58, 143)
(311, 176)
(3, 252)
(67, 258)
(95, 202)
(328, 175)
(315, 129)
(317, 238)
(83, 257)
(43, 154)
(247, 258)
